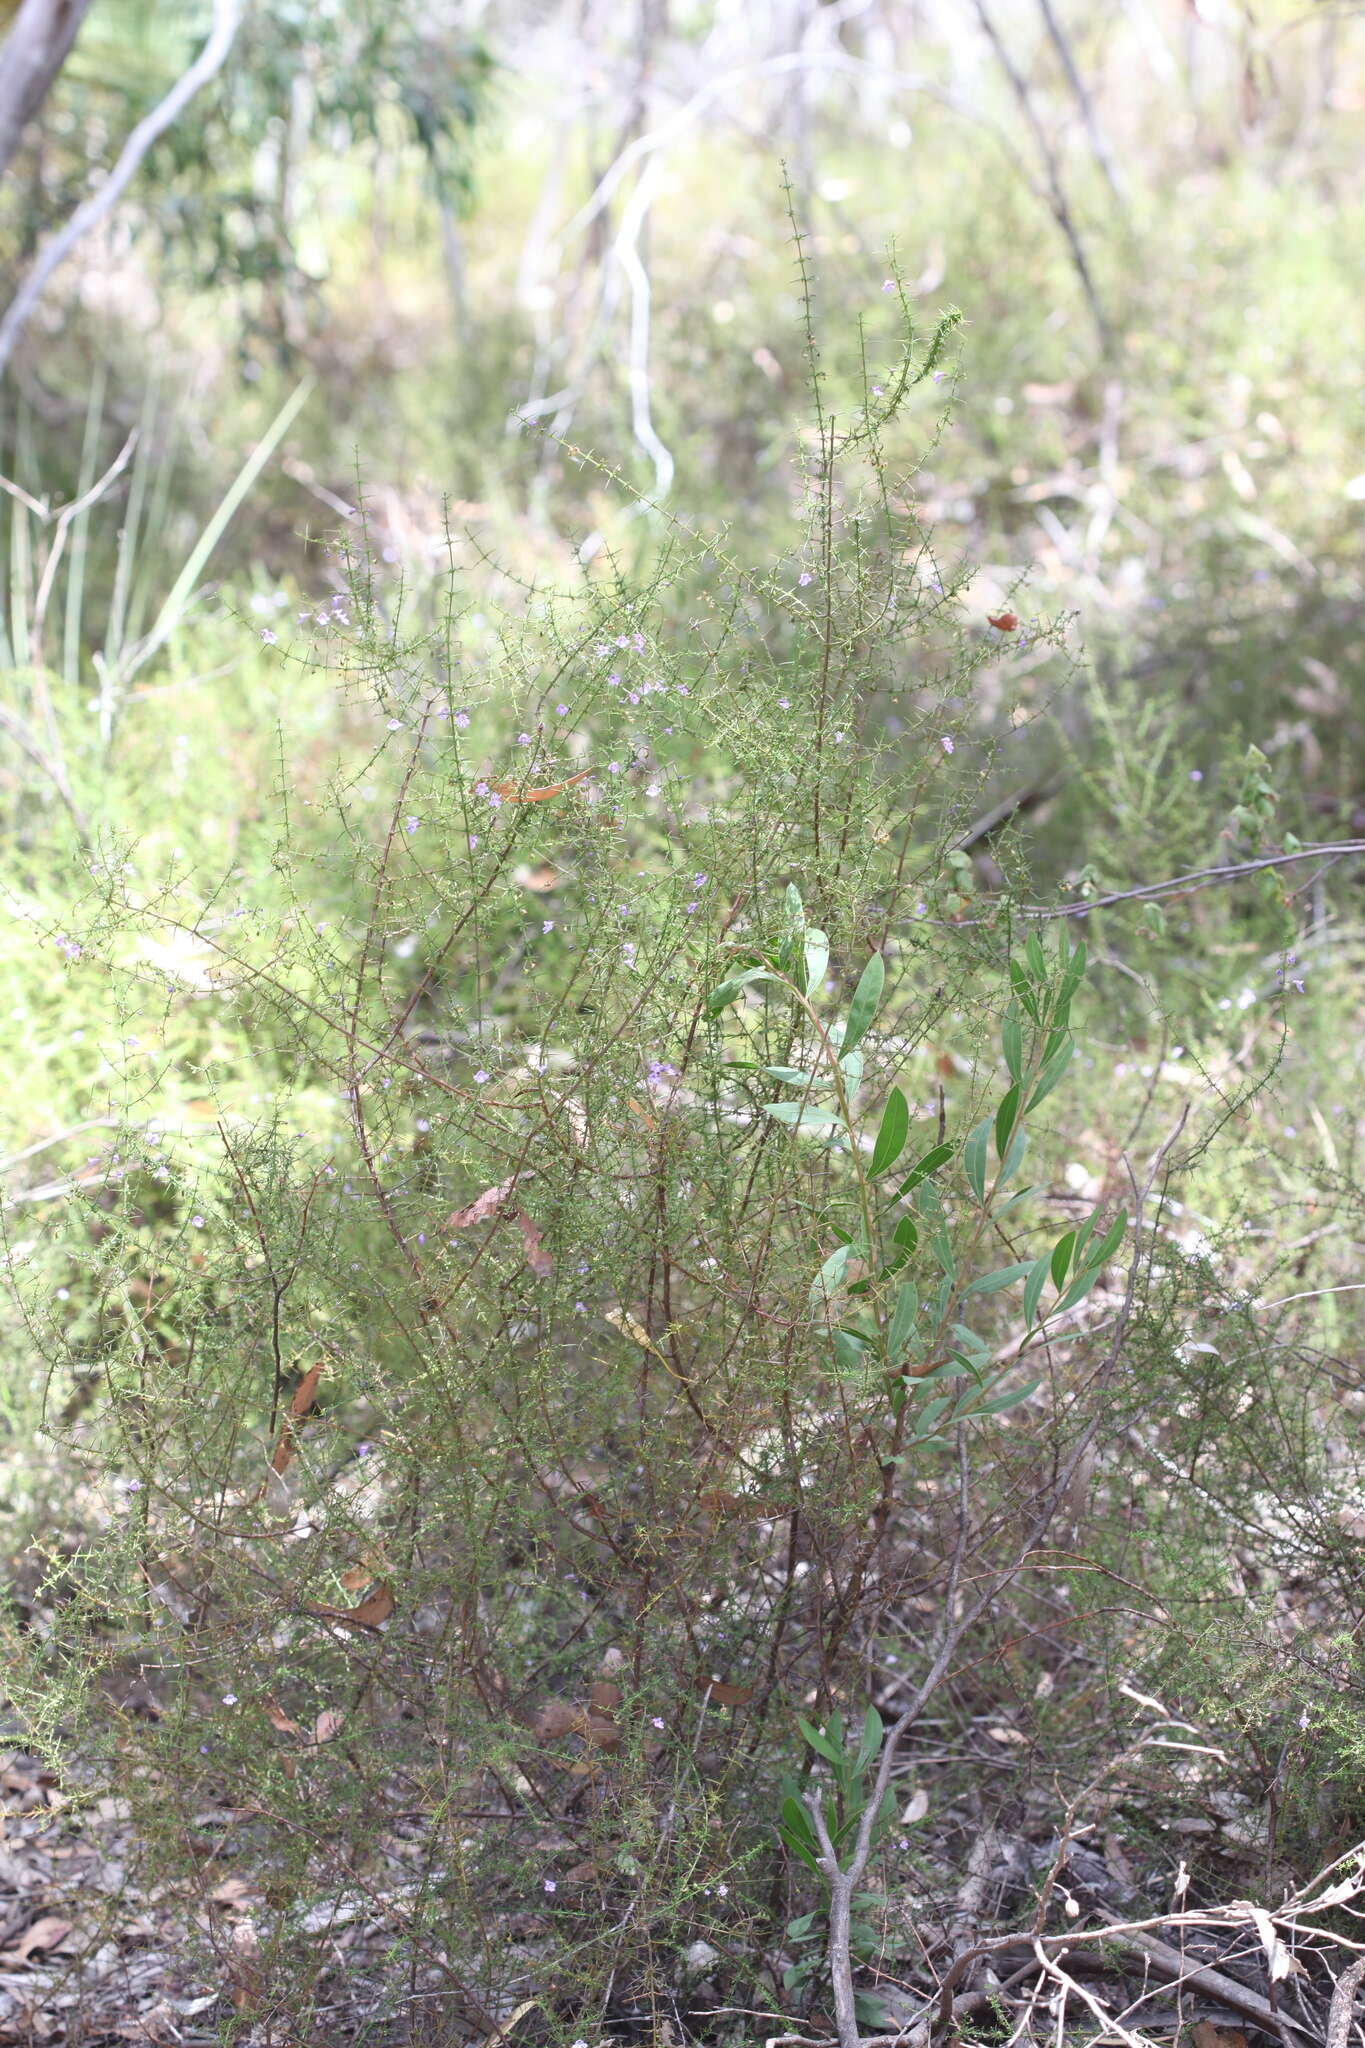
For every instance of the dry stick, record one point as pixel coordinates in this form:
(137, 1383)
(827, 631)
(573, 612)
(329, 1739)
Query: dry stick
(1343, 2004)
(844, 1881)
(1094, 134)
(32, 54)
(1061, 211)
(226, 16)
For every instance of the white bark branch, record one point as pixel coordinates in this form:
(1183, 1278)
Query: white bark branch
(226, 16)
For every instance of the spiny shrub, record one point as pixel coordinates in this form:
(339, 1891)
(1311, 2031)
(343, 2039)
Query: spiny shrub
(619, 1325)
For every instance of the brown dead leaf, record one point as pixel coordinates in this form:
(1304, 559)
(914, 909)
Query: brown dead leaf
(359, 1575)
(605, 1696)
(556, 1718)
(481, 1208)
(537, 1258)
(47, 1933)
(278, 1719)
(305, 1394)
(1207, 2034)
(368, 1613)
(327, 1726)
(719, 1694)
(234, 1894)
(513, 793)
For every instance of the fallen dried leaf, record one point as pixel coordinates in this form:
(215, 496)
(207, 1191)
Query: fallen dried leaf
(538, 1259)
(719, 1694)
(47, 1933)
(512, 793)
(305, 1394)
(278, 1719)
(1207, 2034)
(327, 1726)
(482, 1206)
(368, 1613)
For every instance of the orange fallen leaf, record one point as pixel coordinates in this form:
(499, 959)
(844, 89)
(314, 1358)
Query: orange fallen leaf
(278, 1719)
(1207, 2034)
(327, 1726)
(1003, 622)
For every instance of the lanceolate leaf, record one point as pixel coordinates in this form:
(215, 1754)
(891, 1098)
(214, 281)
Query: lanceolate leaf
(974, 1158)
(891, 1137)
(930, 1163)
(866, 996)
(817, 959)
(794, 1113)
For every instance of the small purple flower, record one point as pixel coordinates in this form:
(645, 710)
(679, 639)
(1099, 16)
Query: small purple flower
(410, 825)
(473, 841)
(229, 1699)
(561, 710)
(69, 947)
(613, 767)
(481, 1077)
(523, 739)
(494, 800)
(656, 1722)
(480, 789)
(1196, 775)
(784, 703)
(362, 1450)
(548, 925)
(939, 375)
(637, 641)
(805, 577)
(198, 1222)
(877, 391)
(692, 909)
(395, 725)
(270, 639)
(946, 744)
(550, 1884)
(683, 690)
(462, 719)
(889, 285)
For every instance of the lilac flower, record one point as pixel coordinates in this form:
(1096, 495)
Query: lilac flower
(691, 909)
(662, 1070)
(699, 881)
(1196, 775)
(637, 641)
(877, 391)
(481, 1077)
(889, 285)
(805, 577)
(683, 690)
(946, 744)
(229, 1699)
(494, 800)
(613, 767)
(270, 639)
(784, 703)
(561, 710)
(550, 1884)
(548, 925)
(443, 711)
(473, 841)
(602, 649)
(69, 947)
(395, 725)
(581, 1308)
(462, 719)
(523, 739)
(198, 1222)
(939, 376)
(655, 1722)
(410, 825)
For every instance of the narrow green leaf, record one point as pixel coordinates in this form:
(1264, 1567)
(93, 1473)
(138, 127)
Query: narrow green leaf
(1110, 1242)
(866, 996)
(1061, 1257)
(893, 1132)
(906, 1234)
(902, 1326)
(1033, 1288)
(1012, 1040)
(929, 1417)
(871, 1738)
(796, 1075)
(795, 1113)
(1036, 957)
(1011, 1400)
(1052, 1074)
(930, 1163)
(817, 959)
(849, 1351)
(725, 993)
(830, 1279)
(1005, 1118)
(1012, 1161)
(851, 1067)
(974, 1158)
(1004, 1276)
(820, 1743)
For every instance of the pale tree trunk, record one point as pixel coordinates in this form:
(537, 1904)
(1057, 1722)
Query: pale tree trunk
(31, 55)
